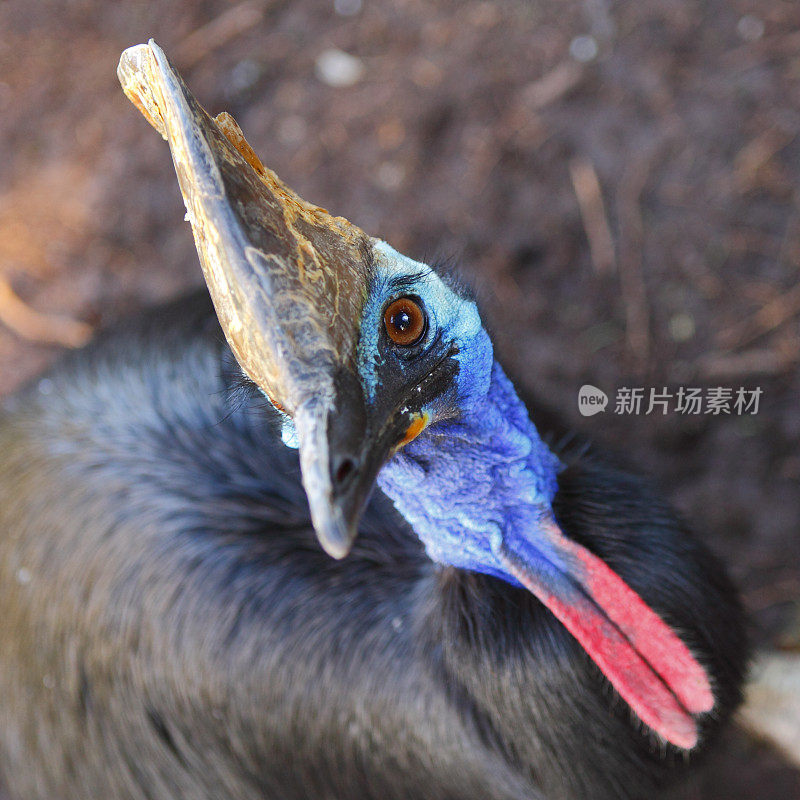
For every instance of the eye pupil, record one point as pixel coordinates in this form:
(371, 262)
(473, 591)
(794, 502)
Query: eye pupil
(402, 321)
(405, 321)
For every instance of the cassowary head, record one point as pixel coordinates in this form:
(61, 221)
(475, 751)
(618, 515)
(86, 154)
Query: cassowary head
(383, 370)
(361, 347)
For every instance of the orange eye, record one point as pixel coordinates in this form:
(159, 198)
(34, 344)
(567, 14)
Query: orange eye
(405, 321)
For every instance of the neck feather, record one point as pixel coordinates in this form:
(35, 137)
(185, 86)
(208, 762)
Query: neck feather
(466, 480)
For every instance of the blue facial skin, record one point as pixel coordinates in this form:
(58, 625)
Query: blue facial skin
(476, 478)
(479, 476)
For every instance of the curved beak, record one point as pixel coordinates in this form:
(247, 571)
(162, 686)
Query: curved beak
(288, 281)
(334, 476)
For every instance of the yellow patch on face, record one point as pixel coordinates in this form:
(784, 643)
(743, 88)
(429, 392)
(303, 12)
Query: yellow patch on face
(418, 424)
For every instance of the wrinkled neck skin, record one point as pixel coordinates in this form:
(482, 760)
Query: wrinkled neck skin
(467, 482)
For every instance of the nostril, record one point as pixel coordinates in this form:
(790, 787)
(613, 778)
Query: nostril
(346, 467)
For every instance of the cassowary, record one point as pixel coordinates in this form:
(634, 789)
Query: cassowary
(497, 620)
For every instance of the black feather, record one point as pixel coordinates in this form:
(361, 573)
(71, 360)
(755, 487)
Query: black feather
(170, 628)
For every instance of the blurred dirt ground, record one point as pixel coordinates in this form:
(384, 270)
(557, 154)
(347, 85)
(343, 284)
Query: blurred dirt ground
(618, 180)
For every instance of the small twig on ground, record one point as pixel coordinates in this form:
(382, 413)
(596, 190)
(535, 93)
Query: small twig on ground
(595, 222)
(749, 55)
(768, 318)
(760, 361)
(522, 116)
(756, 154)
(221, 30)
(35, 326)
(552, 86)
(631, 244)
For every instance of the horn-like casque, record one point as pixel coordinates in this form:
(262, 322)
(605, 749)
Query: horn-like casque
(288, 279)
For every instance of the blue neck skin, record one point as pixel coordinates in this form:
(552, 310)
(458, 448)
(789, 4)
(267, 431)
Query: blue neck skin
(465, 483)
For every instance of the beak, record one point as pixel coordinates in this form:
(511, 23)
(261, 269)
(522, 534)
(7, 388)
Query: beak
(288, 281)
(335, 464)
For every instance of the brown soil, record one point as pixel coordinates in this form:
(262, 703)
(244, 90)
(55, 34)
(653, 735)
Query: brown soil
(472, 134)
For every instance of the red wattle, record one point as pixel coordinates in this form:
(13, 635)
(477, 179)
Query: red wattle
(642, 657)
(655, 641)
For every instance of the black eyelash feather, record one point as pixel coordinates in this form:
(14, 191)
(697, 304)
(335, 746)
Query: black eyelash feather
(403, 283)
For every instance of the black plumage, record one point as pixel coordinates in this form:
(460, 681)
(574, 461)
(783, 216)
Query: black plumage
(170, 627)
